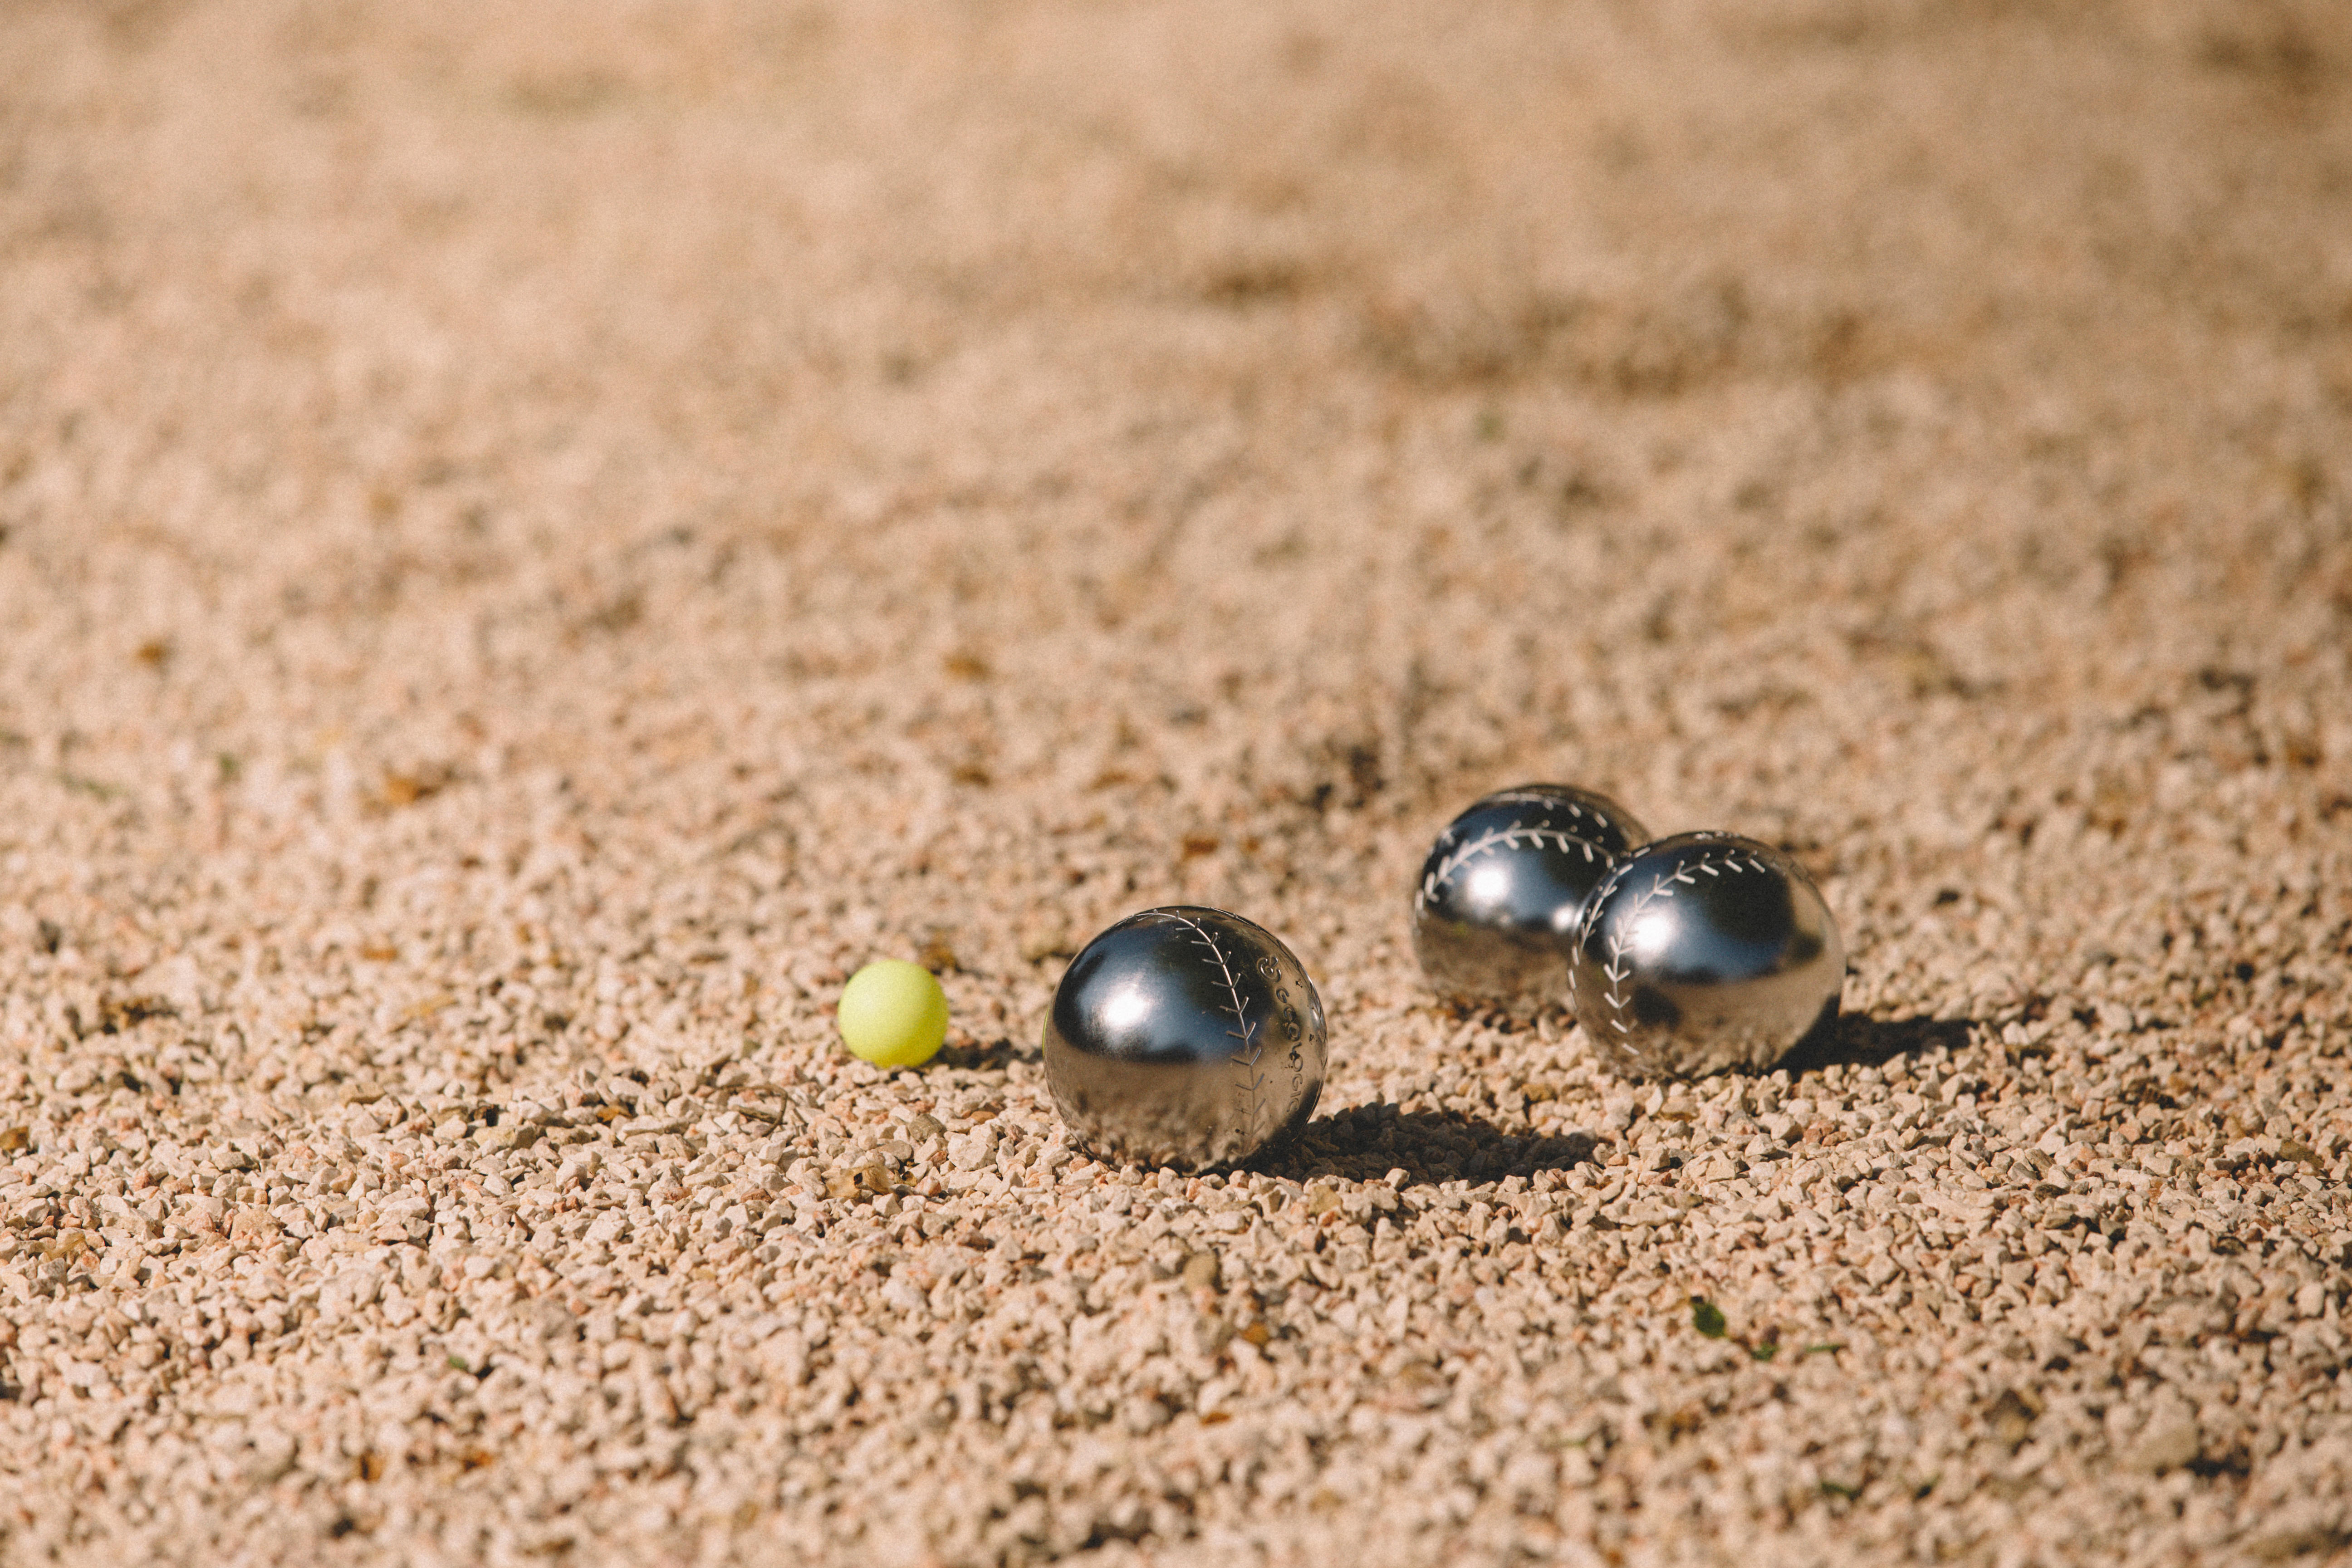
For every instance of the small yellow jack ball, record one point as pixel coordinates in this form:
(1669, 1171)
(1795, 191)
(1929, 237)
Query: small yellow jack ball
(893, 1013)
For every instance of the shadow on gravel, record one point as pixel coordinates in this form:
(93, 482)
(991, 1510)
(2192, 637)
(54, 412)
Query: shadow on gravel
(1856, 1041)
(1364, 1142)
(994, 1056)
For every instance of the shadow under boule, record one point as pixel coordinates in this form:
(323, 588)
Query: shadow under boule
(1851, 1039)
(1365, 1143)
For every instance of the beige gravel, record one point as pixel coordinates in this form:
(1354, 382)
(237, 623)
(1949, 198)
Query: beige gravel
(534, 540)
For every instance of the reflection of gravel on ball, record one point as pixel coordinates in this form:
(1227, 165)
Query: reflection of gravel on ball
(1184, 1037)
(1504, 889)
(1704, 951)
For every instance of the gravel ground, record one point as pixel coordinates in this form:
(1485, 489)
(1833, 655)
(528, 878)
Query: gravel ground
(535, 541)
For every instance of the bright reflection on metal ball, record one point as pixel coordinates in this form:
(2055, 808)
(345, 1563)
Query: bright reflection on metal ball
(1184, 1037)
(1704, 952)
(1504, 889)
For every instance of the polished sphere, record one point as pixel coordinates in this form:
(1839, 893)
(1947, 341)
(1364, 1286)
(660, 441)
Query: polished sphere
(1704, 952)
(1184, 1037)
(1505, 887)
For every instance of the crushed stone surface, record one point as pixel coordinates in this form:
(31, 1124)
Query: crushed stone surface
(534, 542)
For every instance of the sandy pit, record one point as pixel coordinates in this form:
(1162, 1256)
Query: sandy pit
(535, 540)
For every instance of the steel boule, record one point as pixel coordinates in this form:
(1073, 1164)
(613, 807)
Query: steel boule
(1703, 952)
(1184, 1037)
(1503, 888)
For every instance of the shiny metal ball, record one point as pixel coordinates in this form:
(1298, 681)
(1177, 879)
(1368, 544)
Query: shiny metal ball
(1703, 952)
(1184, 1037)
(1504, 889)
